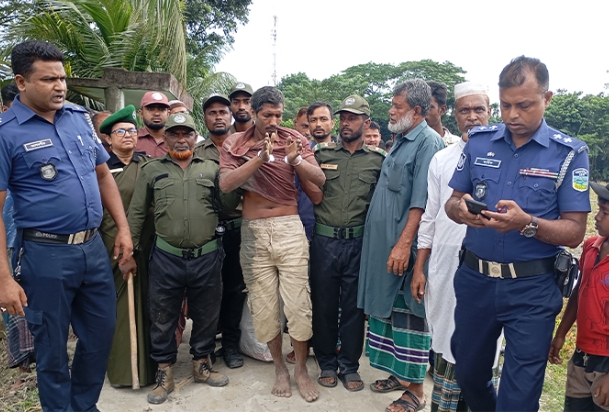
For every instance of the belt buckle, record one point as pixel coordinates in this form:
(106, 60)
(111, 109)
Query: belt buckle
(77, 238)
(339, 233)
(188, 253)
(494, 269)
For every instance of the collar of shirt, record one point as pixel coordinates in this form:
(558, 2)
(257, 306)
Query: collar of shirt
(414, 132)
(541, 135)
(23, 113)
(599, 242)
(114, 162)
(168, 158)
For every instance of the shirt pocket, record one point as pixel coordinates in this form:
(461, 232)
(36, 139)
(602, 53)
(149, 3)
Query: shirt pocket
(164, 194)
(395, 173)
(87, 153)
(366, 184)
(332, 183)
(205, 190)
(41, 156)
(537, 194)
(488, 175)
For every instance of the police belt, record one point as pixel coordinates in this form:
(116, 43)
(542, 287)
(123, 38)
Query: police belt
(73, 239)
(232, 224)
(187, 253)
(339, 232)
(510, 270)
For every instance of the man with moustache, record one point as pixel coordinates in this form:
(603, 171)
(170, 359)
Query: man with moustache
(444, 237)
(217, 115)
(321, 123)
(154, 109)
(55, 167)
(274, 249)
(534, 181)
(240, 105)
(399, 338)
(182, 187)
(352, 169)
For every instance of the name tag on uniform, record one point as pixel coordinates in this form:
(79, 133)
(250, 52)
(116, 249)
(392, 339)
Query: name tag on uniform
(481, 161)
(38, 144)
(328, 166)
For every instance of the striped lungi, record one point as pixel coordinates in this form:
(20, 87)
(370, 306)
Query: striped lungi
(446, 395)
(20, 342)
(400, 345)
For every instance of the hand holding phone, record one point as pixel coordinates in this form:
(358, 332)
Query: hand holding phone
(475, 207)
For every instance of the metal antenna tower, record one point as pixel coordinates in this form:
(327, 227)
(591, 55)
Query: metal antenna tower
(274, 37)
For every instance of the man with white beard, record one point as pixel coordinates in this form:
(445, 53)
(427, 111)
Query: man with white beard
(438, 233)
(399, 339)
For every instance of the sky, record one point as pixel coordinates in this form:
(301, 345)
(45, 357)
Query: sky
(323, 37)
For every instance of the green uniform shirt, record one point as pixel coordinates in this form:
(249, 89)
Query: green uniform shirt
(185, 201)
(208, 150)
(350, 183)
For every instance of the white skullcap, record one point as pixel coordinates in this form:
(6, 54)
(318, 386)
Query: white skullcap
(469, 88)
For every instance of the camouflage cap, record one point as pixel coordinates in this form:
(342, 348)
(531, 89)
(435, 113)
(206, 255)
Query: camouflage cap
(354, 104)
(124, 115)
(180, 119)
(215, 97)
(241, 87)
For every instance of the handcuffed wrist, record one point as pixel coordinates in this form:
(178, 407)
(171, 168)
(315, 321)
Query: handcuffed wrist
(298, 161)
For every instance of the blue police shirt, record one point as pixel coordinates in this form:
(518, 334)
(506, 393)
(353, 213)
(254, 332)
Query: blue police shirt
(50, 169)
(491, 168)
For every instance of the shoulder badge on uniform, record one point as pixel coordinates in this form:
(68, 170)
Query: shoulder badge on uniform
(377, 150)
(490, 128)
(326, 145)
(566, 140)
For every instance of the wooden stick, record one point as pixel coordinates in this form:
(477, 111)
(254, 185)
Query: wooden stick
(135, 380)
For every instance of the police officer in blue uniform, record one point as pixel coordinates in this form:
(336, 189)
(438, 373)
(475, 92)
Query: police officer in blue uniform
(55, 167)
(534, 181)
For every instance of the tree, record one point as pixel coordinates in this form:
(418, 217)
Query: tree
(373, 81)
(212, 22)
(587, 118)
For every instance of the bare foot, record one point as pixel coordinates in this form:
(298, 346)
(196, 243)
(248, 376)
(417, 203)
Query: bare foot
(282, 385)
(308, 390)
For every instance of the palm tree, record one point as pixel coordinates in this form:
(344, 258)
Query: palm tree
(137, 35)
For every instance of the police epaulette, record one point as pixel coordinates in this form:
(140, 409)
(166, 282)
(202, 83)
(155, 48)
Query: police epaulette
(75, 107)
(6, 117)
(327, 145)
(377, 150)
(566, 140)
(151, 161)
(491, 128)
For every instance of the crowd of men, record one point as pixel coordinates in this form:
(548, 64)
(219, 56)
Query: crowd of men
(328, 229)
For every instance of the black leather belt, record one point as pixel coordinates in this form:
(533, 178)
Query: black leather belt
(509, 270)
(72, 239)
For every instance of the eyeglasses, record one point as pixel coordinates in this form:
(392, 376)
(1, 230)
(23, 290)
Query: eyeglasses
(123, 132)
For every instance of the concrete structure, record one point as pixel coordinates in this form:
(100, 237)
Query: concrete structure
(119, 87)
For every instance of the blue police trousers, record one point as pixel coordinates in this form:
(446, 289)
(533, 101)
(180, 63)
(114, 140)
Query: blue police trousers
(525, 309)
(69, 284)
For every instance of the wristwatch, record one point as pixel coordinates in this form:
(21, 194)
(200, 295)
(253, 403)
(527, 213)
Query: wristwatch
(530, 230)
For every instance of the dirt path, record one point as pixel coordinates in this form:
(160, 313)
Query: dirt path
(249, 390)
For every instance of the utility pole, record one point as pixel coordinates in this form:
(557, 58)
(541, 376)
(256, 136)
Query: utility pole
(274, 37)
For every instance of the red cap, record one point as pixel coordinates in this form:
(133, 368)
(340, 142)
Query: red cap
(154, 98)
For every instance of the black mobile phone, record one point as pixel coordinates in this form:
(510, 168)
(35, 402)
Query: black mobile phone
(475, 207)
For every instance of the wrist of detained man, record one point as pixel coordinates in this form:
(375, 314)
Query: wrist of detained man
(295, 162)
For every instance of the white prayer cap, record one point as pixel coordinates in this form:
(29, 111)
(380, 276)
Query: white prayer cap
(469, 88)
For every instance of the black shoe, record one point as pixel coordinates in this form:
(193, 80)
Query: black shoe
(232, 357)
